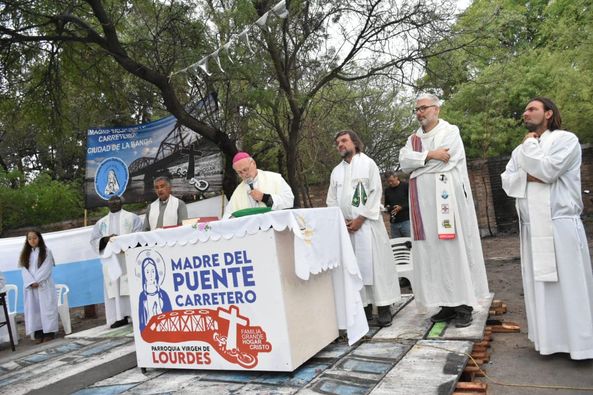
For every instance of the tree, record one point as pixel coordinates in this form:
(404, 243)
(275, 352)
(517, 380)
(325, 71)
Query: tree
(320, 43)
(146, 41)
(528, 50)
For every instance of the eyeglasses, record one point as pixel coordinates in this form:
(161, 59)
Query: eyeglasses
(422, 108)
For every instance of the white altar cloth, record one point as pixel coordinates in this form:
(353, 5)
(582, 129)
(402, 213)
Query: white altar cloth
(321, 243)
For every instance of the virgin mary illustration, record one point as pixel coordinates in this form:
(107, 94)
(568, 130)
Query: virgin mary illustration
(153, 300)
(112, 186)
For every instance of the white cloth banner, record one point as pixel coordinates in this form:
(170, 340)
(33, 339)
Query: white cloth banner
(542, 232)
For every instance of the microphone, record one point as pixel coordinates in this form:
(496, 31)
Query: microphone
(250, 183)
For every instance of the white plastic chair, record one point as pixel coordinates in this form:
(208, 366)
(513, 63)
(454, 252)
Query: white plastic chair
(402, 256)
(11, 301)
(64, 307)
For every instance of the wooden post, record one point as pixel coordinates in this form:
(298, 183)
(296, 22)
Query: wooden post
(90, 311)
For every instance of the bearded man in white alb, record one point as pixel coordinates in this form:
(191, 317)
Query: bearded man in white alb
(355, 187)
(544, 175)
(116, 293)
(449, 266)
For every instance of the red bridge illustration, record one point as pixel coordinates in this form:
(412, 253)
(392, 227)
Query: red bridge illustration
(225, 330)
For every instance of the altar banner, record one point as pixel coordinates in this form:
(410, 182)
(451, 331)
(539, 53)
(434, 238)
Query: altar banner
(313, 229)
(227, 304)
(124, 161)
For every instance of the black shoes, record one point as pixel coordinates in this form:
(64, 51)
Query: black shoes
(368, 312)
(384, 312)
(463, 316)
(384, 318)
(446, 314)
(122, 322)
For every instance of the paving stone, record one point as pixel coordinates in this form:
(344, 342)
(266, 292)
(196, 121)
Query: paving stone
(267, 389)
(66, 348)
(36, 358)
(430, 367)
(408, 324)
(403, 302)
(103, 331)
(9, 366)
(173, 381)
(360, 365)
(338, 387)
(102, 347)
(334, 351)
(205, 388)
(134, 375)
(387, 350)
(229, 376)
(373, 330)
(475, 331)
(299, 378)
(106, 390)
(9, 380)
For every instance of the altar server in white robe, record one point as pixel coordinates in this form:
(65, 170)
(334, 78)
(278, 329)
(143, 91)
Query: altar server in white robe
(449, 266)
(116, 293)
(544, 175)
(167, 210)
(355, 187)
(258, 188)
(41, 300)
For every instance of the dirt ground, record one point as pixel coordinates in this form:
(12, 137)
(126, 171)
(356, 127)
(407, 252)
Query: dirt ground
(513, 359)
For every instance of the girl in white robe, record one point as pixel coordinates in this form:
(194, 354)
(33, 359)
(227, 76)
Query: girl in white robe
(41, 302)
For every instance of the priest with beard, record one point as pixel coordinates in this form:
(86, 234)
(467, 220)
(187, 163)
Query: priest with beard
(544, 176)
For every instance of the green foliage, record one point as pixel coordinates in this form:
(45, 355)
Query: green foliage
(39, 202)
(518, 50)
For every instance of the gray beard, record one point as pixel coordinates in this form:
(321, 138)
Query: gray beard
(346, 154)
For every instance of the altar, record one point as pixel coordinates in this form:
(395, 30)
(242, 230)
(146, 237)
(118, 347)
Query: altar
(264, 292)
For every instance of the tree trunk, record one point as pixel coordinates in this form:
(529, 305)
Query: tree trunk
(292, 159)
(229, 181)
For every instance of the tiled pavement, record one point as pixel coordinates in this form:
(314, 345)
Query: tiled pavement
(399, 359)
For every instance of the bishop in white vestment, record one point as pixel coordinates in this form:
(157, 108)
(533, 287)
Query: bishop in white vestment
(355, 187)
(116, 293)
(544, 175)
(449, 266)
(258, 188)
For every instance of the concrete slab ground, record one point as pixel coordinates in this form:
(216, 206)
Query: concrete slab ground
(339, 368)
(100, 361)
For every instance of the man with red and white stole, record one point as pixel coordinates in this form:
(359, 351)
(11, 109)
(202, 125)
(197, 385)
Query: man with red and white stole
(355, 187)
(544, 176)
(449, 269)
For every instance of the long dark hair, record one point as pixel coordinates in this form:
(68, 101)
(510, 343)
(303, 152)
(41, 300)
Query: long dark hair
(358, 144)
(26, 252)
(556, 121)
